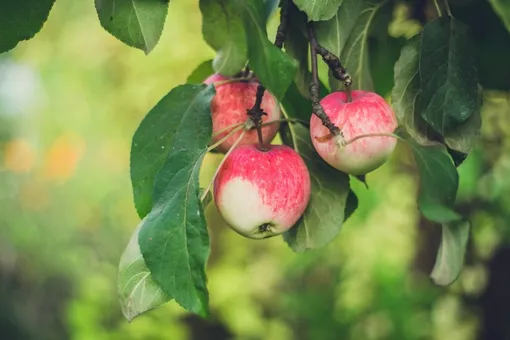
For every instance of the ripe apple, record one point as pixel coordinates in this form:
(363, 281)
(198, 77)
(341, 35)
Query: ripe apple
(261, 194)
(367, 113)
(229, 106)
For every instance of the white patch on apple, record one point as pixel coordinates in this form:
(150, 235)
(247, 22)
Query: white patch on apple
(242, 208)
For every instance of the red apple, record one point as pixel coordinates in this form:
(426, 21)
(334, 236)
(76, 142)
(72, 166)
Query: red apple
(229, 107)
(262, 193)
(367, 113)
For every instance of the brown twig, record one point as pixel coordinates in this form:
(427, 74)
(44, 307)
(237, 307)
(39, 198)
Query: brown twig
(315, 85)
(256, 111)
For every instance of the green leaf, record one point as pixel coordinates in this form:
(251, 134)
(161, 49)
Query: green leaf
(405, 96)
(439, 182)
(384, 53)
(201, 73)
(296, 45)
(318, 10)
(492, 42)
(346, 35)
(223, 30)
(138, 292)
(465, 136)
(137, 23)
(502, 8)
(174, 240)
(326, 210)
(274, 68)
(334, 33)
(295, 105)
(207, 199)
(448, 74)
(21, 20)
(154, 138)
(298, 107)
(355, 52)
(271, 6)
(450, 257)
(406, 91)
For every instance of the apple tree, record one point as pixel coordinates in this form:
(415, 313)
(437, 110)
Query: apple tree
(338, 84)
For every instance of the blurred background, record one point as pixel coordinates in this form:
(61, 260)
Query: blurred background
(70, 100)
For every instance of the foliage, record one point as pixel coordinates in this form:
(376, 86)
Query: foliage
(436, 94)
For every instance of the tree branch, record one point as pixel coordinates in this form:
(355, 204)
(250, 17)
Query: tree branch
(315, 85)
(334, 64)
(256, 111)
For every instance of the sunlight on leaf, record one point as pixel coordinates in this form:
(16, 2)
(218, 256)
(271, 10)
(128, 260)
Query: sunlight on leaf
(318, 10)
(223, 30)
(137, 23)
(273, 67)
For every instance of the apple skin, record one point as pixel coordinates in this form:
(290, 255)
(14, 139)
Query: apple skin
(261, 194)
(229, 106)
(366, 113)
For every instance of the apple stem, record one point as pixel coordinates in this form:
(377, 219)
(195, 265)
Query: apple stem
(215, 145)
(256, 111)
(315, 85)
(220, 165)
(349, 93)
(382, 134)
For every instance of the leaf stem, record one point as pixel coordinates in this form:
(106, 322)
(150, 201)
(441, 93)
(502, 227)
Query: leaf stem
(220, 165)
(215, 145)
(246, 127)
(315, 85)
(232, 80)
(287, 120)
(448, 10)
(228, 128)
(438, 9)
(382, 134)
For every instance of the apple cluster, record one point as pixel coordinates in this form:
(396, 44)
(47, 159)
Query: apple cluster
(262, 190)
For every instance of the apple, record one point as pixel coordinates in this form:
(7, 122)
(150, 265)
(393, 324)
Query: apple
(229, 107)
(367, 113)
(259, 193)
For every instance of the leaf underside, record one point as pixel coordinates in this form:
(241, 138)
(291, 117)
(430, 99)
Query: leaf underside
(452, 249)
(138, 292)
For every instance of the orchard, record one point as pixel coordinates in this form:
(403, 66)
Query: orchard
(295, 112)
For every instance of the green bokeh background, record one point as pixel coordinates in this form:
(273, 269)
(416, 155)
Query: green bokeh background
(70, 100)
